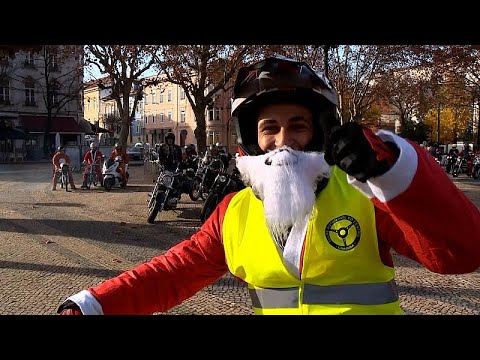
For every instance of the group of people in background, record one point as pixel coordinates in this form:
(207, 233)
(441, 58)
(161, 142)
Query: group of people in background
(93, 157)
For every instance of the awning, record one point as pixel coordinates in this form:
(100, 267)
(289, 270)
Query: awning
(60, 124)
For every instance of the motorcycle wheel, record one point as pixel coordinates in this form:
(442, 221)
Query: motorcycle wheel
(194, 192)
(476, 172)
(88, 181)
(108, 183)
(65, 181)
(455, 171)
(210, 204)
(152, 212)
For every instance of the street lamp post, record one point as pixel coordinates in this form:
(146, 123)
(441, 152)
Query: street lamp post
(438, 125)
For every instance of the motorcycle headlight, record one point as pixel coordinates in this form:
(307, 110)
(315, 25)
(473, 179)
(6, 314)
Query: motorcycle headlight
(167, 180)
(222, 178)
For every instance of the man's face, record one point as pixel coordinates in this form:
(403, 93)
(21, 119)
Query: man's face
(169, 141)
(284, 124)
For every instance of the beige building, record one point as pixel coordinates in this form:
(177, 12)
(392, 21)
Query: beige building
(101, 111)
(164, 108)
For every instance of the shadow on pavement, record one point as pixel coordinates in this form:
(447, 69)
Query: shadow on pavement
(58, 269)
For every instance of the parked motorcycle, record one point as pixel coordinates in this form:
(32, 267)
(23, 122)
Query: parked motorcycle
(451, 160)
(476, 167)
(460, 166)
(205, 176)
(168, 189)
(224, 184)
(111, 173)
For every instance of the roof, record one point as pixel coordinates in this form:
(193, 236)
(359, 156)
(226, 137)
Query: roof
(60, 124)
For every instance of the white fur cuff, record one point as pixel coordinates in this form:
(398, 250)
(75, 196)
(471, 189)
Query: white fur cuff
(396, 180)
(87, 303)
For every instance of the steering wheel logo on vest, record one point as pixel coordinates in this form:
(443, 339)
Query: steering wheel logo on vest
(343, 232)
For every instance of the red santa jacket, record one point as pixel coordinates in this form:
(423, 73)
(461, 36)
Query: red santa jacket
(89, 157)
(420, 214)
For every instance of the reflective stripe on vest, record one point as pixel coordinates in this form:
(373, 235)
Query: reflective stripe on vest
(360, 294)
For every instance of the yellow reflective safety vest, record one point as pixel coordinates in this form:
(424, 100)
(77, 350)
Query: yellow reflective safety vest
(342, 272)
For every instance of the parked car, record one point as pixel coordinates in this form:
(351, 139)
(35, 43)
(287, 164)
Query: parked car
(135, 153)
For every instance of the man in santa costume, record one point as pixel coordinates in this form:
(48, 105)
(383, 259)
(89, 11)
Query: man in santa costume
(324, 206)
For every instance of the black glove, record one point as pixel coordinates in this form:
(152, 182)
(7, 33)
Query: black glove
(359, 152)
(69, 308)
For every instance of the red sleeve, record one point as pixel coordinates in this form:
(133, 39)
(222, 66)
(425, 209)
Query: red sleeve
(168, 279)
(432, 222)
(87, 156)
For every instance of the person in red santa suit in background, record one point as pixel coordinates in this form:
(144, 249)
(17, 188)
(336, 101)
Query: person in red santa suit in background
(93, 157)
(325, 204)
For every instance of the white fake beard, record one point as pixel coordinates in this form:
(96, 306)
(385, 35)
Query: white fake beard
(285, 180)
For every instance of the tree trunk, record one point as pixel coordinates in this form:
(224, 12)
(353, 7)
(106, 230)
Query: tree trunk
(200, 131)
(125, 129)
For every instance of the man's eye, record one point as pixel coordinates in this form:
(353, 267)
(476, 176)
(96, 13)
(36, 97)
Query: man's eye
(299, 126)
(269, 130)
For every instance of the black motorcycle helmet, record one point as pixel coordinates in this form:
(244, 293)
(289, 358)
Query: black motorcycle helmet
(60, 148)
(279, 80)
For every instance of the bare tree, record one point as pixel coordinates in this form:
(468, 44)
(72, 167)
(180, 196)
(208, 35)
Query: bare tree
(61, 81)
(202, 71)
(124, 66)
(354, 70)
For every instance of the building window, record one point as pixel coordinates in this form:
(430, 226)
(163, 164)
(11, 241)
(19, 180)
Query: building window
(154, 98)
(162, 117)
(169, 98)
(210, 138)
(218, 115)
(211, 114)
(146, 119)
(53, 63)
(182, 116)
(94, 103)
(169, 116)
(4, 92)
(29, 93)
(55, 99)
(30, 60)
(161, 98)
(153, 118)
(182, 94)
(217, 137)
(146, 99)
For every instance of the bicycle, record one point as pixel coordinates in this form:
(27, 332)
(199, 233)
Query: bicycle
(91, 176)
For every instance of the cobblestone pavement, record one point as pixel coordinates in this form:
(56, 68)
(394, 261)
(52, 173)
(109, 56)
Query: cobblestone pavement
(53, 244)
